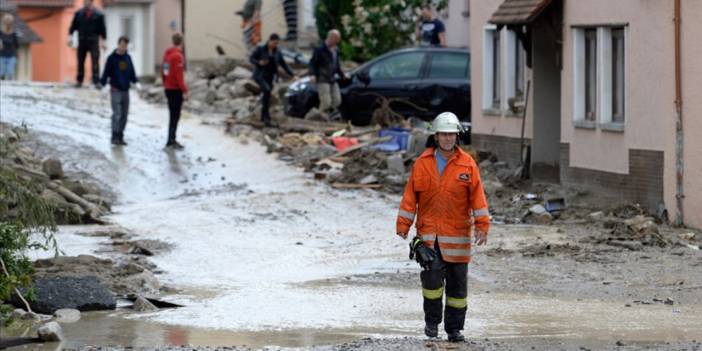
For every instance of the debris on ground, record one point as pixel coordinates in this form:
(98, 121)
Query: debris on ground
(73, 201)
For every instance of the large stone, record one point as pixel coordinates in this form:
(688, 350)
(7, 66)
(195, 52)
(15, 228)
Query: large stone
(207, 96)
(81, 293)
(143, 305)
(315, 115)
(218, 66)
(223, 92)
(239, 73)
(198, 85)
(239, 90)
(251, 86)
(145, 281)
(67, 315)
(53, 197)
(53, 168)
(216, 83)
(50, 332)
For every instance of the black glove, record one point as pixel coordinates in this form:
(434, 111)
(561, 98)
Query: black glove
(424, 255)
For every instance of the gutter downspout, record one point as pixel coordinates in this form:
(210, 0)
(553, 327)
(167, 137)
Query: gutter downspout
(679, 161)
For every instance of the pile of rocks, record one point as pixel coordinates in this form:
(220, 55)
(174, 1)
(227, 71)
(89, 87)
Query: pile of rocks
(220, 85)
(73, 200)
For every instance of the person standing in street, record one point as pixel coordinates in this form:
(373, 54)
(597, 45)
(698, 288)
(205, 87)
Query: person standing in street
(445, 193)
(266, 60)
(251, 23)
(119, 70)
(430, 31)
(8, 48)
(325, 66)
(173, 76)
(90, 24)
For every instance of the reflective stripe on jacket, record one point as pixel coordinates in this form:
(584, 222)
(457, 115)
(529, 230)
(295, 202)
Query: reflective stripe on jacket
(446, 206)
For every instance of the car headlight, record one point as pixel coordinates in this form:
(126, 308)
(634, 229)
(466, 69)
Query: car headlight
(300, 84)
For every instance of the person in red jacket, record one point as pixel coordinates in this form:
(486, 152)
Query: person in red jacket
(172, 74)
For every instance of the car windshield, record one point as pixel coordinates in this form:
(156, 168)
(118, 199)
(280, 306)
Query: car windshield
(400, 66)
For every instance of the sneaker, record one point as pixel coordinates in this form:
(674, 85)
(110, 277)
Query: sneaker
(115, 141)
(431, 331)
(98, 86)
(456, 337)
(121, 142)
(78, 85)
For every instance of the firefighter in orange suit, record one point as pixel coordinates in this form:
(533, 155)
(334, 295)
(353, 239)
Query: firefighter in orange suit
(446, 195)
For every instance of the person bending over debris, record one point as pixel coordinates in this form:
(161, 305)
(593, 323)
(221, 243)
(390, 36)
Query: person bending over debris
(266, 59)
(174, 84)
(120, 71)
(444, 190)
(324, 66)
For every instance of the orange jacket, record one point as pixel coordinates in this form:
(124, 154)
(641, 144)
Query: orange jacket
(447, 205)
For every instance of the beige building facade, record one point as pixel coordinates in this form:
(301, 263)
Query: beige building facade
(602, 89)
(214, 22)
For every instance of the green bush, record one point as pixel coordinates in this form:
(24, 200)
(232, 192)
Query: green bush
(371, 27)
(23, 213)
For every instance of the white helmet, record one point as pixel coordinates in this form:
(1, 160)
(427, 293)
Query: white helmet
(446, 122)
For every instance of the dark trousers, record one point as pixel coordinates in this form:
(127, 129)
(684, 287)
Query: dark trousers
(266, 84)
(91, 46)
(120, 110)
(455, 277)
(175, 103)
(290, 9)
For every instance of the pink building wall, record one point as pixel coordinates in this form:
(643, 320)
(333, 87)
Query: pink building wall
(649, 91)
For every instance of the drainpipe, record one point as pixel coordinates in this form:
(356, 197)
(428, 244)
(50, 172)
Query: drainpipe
(679, 162)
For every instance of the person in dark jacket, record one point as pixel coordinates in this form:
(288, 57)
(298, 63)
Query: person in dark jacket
(172, 74)
(266, 60)
(8, 48)
(90, 24)
(325, 66)
(120, 72)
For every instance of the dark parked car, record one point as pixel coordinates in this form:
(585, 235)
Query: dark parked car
(437, 79)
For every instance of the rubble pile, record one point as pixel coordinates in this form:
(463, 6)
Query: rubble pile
(73, 201)
(219, 85)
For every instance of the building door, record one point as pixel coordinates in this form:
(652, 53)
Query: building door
(546, 89)
(129, 21)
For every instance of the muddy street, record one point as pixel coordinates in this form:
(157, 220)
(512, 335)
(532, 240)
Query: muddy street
(263, 255)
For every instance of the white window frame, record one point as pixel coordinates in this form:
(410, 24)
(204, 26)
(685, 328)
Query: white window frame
(489, 67)
(507, 64)
(604, 91)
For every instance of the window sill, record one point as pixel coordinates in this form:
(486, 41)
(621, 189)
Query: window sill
(612, 127)
(513, 114)
(492, 113)
(584, 124)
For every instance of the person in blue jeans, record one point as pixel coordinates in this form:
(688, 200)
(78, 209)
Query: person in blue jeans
(119, 70)
(8, 48)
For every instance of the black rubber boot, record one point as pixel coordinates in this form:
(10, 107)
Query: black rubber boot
(456, 337)
(431, 331)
